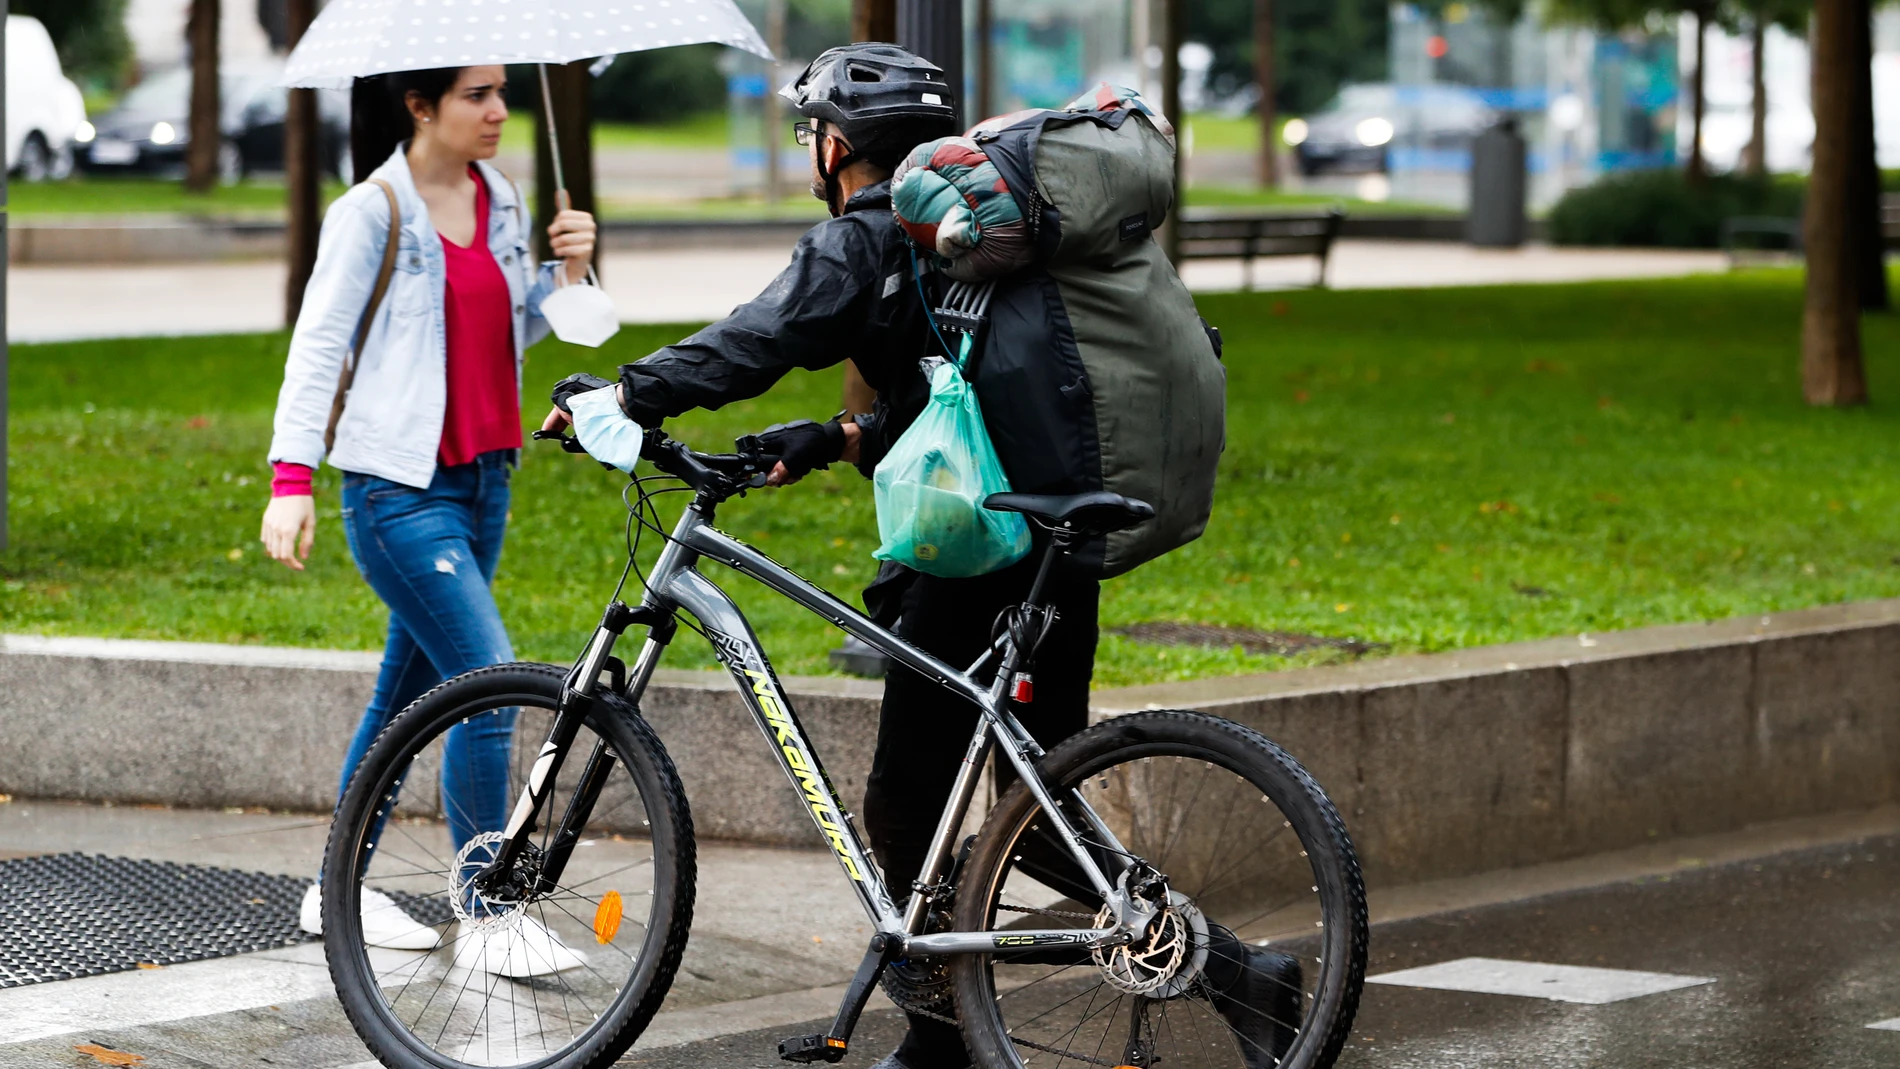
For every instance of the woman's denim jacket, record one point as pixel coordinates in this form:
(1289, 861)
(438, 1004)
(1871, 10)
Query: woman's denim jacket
(392, 425)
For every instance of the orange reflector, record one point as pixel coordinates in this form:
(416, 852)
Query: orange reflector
(607, 917)
(834, 1041)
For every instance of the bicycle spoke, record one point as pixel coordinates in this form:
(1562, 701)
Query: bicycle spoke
(461, 1010)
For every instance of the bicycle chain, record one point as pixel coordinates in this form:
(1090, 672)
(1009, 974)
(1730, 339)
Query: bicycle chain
(1047, 912)
(1018, 1040)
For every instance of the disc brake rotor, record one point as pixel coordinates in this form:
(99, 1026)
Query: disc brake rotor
(476, 910)
(1163, 965)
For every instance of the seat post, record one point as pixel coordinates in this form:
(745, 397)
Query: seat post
(1057, 545)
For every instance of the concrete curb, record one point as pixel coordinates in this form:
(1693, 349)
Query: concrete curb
(1444, 764)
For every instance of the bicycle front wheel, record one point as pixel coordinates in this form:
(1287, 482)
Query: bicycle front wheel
(1257, 956)
(434, 971)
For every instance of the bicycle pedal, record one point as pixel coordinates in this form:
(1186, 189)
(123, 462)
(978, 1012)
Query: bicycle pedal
(812, 1048)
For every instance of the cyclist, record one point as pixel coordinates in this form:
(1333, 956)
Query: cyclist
(849, 293)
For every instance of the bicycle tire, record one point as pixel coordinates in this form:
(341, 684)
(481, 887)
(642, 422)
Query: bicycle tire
(674, 851)
(1117, 743)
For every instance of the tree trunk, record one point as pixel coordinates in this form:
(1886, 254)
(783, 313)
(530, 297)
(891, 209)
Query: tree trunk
(204, 133)
(773, 136)
(874, 20)
(1172, 18)
(933, 29)
(1268, 171)
(1698, 168)
(303, 171)
(985, 62)
(1863, 199)
(567, 85)
(1831, 371)
(1755, 155)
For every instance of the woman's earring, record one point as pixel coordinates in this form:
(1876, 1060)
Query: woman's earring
(425, 118)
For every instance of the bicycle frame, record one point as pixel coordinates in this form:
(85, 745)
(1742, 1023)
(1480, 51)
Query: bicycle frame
(675, 584)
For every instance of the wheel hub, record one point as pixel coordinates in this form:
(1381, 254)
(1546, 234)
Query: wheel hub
(1164, 963)
(488, 905)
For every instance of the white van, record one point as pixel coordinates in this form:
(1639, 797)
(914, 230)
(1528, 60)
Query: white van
(45, 111)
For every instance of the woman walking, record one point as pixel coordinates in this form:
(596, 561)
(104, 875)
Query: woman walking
(405, 375)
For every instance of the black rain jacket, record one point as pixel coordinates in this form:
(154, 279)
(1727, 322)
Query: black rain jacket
(849, 293)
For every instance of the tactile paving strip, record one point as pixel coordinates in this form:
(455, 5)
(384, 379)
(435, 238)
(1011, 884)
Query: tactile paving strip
(69, 915)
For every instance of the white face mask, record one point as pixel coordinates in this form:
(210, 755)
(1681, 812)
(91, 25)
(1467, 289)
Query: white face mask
(580, 313)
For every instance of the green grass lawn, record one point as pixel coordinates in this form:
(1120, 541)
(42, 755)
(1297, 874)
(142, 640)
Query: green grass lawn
(85, 194)
(1213, 196)
(1427, 469)
(708, 131)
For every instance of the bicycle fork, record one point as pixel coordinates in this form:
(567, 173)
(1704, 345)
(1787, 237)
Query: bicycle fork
(577, 701)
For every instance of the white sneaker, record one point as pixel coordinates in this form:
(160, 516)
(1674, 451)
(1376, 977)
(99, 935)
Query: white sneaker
(518, 951)
(384, 923)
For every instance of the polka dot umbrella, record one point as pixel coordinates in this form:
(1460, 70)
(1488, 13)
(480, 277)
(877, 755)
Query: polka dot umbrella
(353, 39)
(357, 38)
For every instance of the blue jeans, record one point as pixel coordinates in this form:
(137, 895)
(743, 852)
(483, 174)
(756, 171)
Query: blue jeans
(431, 555)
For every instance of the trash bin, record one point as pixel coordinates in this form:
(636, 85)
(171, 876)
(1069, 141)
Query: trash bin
(1496, 217)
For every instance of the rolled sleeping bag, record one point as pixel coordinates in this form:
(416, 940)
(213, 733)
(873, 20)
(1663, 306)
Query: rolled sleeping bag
(953, 203)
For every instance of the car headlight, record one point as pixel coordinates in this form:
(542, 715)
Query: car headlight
(163, 134)
(1294, 131)
(1373, 132)
(84, 133)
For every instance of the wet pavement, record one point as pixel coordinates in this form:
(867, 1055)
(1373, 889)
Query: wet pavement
(1803, 948)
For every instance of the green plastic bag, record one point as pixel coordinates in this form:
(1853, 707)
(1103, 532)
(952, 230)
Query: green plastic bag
(931, 485)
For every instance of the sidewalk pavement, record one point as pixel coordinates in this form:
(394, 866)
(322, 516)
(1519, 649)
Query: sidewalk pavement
(776, 933)
(57, 303)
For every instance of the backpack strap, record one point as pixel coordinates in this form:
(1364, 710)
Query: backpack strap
(383, 275)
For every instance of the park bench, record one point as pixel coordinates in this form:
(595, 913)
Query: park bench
(1207, 235)
(1760, 239)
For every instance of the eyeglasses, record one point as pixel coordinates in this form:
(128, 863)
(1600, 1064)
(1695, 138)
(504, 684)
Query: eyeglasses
(806, 133)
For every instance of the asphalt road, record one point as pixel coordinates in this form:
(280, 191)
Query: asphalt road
(1803, 949)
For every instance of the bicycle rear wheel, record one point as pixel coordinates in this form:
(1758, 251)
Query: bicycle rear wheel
(1256, 961)
(565, 978)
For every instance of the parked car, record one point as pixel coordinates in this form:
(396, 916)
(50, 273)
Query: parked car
(1357, 132)
(151, 127)
(45, 111)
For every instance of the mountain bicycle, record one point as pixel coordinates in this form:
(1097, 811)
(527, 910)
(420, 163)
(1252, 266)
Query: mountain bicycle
(1131, 897)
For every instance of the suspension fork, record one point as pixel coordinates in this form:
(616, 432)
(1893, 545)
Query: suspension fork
(578, 695)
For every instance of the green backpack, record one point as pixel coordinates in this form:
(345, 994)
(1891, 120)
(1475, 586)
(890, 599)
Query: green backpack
(1093, 368)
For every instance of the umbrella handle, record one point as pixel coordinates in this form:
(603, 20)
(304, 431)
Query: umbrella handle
(554, 139)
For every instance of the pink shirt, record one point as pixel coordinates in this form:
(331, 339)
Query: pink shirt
(483, 405)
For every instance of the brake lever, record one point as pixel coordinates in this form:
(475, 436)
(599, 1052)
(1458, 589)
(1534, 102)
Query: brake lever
(753, 451)
(571, 445)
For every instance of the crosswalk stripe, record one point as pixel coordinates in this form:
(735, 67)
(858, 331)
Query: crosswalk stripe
(1892, 1024)
(141, 997)
(1535, 979)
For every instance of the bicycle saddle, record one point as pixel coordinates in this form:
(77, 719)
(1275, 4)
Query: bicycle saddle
(1085, 515)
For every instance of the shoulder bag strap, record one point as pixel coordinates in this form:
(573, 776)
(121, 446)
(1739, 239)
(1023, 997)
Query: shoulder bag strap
(383, 275)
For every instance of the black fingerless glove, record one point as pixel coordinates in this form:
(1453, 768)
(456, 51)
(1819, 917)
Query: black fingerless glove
(803, 445)
(579, 382)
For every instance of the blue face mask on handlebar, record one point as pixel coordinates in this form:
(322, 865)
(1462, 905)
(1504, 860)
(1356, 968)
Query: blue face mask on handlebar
(609, 436)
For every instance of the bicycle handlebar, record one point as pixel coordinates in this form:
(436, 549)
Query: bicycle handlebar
(721, 473)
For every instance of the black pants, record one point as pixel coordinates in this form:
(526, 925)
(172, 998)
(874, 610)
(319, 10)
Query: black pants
(923, 729)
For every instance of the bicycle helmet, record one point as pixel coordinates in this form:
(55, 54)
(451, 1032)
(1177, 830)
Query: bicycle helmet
(883, 99)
